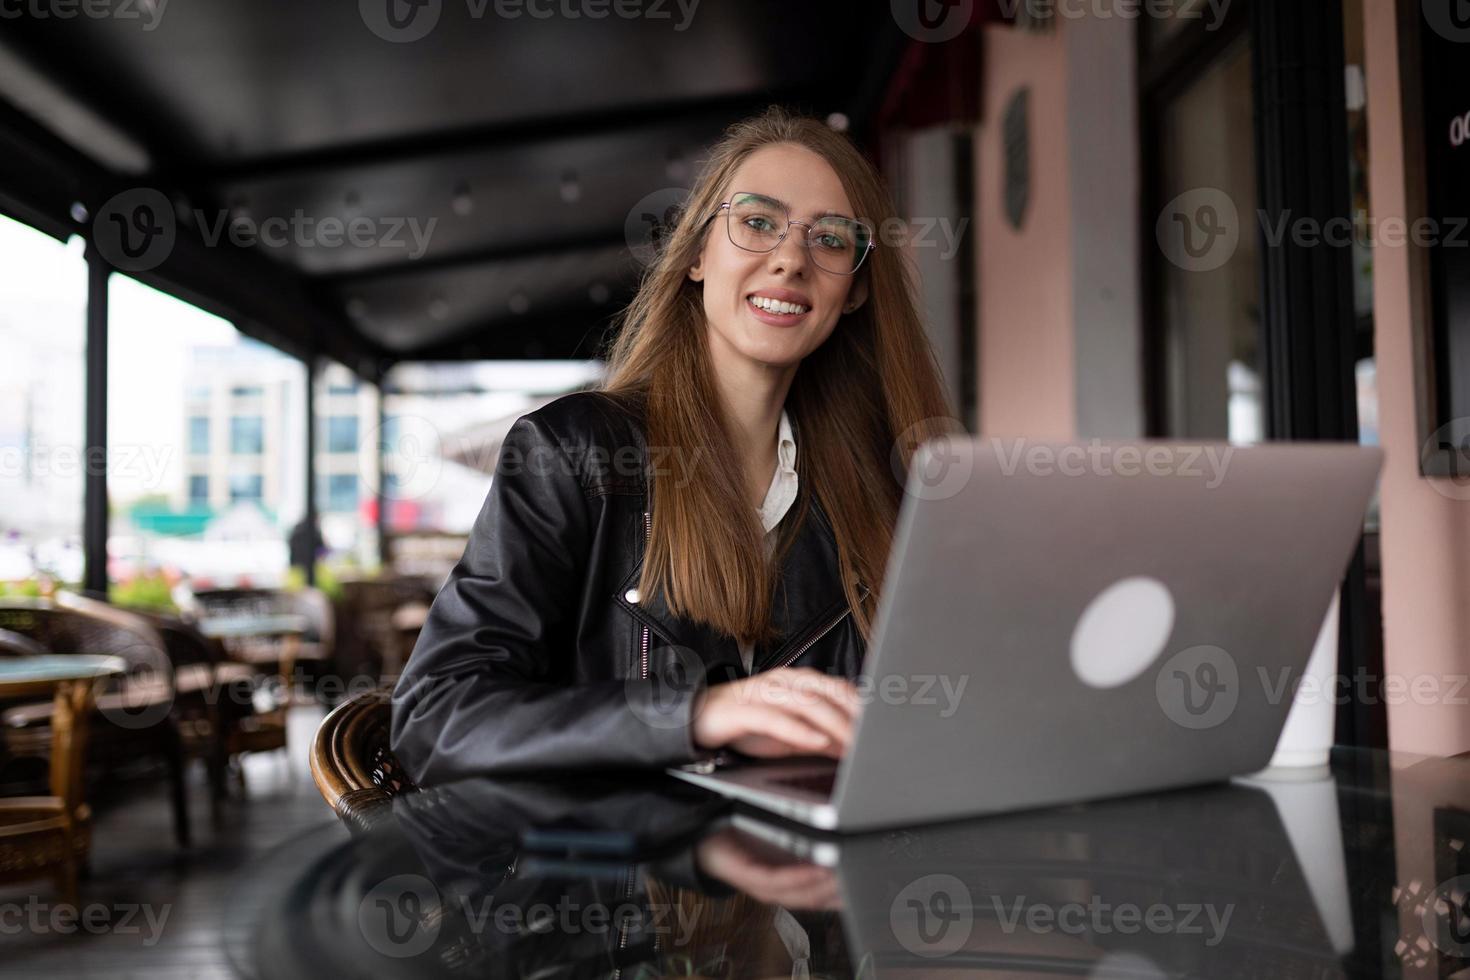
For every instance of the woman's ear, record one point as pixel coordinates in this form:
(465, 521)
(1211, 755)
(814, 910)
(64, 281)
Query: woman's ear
(857, 296)
(696, 271)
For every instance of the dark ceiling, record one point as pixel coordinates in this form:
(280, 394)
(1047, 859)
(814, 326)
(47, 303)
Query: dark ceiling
(523, 151)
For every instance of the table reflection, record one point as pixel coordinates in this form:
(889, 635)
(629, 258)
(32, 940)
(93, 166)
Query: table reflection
(1284, 876)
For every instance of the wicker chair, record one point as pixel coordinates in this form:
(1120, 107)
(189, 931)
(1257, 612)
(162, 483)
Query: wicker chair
(14, 644)
(312, 653)
(371, 641)
(352, 763)
(133, 718)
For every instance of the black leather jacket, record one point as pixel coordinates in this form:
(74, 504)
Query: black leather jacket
(538, 653)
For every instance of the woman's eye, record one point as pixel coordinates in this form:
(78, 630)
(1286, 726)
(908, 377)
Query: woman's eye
(760, 224)
(832, 242)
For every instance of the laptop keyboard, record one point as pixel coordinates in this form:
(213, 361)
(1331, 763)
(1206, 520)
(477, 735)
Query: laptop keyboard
(821, 783)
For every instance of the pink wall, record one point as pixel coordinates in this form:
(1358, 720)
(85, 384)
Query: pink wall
(1026, 383)
(1426, 535)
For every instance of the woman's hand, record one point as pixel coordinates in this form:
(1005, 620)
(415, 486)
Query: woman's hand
(790, 711)
(766, 875)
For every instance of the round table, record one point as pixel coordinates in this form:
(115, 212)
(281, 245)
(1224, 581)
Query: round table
(288, 628)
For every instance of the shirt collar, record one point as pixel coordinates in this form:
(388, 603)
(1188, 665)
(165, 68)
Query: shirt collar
(786, 444)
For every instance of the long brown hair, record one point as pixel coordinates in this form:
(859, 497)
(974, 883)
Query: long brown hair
(859, 403)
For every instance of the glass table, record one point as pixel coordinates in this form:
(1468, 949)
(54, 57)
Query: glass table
(1360, 869)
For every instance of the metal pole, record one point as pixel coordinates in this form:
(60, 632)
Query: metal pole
(94, 499)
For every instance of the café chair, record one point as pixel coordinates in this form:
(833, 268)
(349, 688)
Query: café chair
(351, 761)
(132, 718)
(45, 836)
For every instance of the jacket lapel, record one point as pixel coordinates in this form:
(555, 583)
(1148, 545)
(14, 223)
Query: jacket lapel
(808, 597)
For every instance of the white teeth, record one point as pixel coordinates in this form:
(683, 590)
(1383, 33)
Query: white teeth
(776, 305)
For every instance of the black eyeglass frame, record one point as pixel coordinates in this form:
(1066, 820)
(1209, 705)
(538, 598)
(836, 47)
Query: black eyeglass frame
(806, 239)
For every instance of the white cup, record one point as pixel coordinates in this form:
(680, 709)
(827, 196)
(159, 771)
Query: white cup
(1307, 738)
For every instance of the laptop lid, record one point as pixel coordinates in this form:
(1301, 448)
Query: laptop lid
(1064, 622)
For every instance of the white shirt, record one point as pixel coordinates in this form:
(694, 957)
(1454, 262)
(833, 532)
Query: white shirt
(779, 497)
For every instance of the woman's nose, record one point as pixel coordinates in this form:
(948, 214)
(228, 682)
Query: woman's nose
(791, 254)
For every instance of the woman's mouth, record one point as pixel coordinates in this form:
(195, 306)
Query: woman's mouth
(774, 311)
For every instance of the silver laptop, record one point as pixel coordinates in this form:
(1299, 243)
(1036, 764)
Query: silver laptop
(1066, 622)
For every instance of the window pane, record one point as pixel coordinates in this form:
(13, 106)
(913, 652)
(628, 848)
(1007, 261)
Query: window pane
(43, 333)
(247, 435)
(346, 460)
(342, 434)
(1210, 302)
(199, 436)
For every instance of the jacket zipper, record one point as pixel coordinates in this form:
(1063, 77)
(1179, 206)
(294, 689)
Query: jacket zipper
(821, 633)
(643, 643)
(623, 927)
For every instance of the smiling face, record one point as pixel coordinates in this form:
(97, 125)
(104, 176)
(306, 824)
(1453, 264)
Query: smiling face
(774, 308)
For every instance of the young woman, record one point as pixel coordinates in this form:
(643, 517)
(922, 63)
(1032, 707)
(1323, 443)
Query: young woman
(689, 559)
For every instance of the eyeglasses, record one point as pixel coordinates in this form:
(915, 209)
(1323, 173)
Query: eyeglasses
(758, 223)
